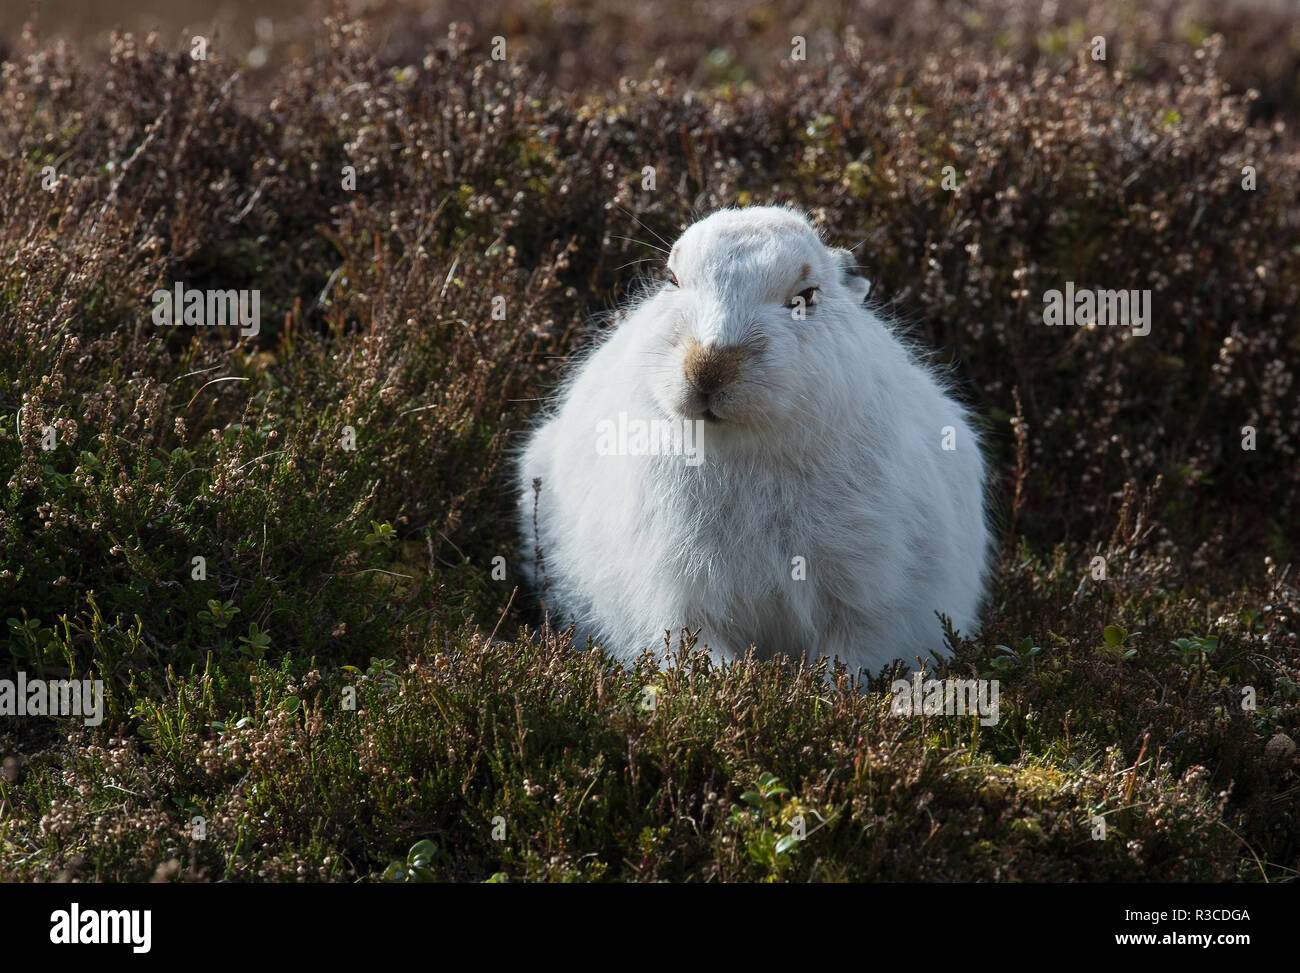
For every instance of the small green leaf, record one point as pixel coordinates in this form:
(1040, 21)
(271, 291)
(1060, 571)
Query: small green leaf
(421, 851)
(786, 843)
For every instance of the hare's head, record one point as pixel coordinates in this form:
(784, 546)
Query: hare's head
(755, 312)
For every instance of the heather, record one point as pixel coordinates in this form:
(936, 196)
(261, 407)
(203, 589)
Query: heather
(344, 472)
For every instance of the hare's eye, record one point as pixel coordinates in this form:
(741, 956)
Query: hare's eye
(805, 298)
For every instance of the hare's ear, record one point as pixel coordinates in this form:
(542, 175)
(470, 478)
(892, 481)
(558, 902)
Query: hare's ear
(850, 275)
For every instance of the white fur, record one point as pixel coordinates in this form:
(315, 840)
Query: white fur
(829, 448)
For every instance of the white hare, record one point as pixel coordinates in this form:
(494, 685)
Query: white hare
(753, 453)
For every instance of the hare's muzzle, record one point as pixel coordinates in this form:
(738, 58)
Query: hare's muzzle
(711, 368)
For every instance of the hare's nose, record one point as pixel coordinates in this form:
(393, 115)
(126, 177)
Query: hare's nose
(710, 368)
